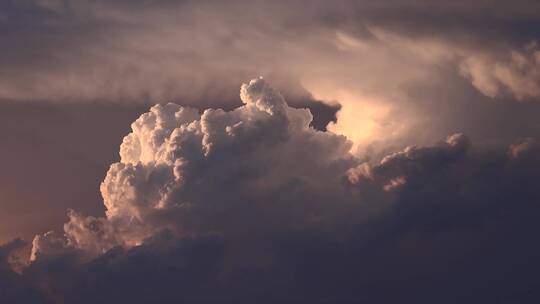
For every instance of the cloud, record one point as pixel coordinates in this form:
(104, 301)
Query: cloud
(383, 56)
(247, 203)
(253, 204)
(13, 286)
(519, 74)
(188, 172)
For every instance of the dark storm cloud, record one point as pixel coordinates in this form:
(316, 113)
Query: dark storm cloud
(14, 288)
(463, 21)
(445, 223)
(460, 229)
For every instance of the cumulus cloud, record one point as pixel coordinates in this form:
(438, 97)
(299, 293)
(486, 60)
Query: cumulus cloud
(254, 204)
(395, 169)
(216, 198)
(191, 173)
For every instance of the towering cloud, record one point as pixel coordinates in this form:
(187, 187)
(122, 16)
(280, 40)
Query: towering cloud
(254, 204)
(395, 159)
(217, 171)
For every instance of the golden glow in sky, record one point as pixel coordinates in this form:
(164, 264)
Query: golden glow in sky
(361, 119)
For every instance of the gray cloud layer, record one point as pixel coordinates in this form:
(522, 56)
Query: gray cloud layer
(410, 58)
(250, 204)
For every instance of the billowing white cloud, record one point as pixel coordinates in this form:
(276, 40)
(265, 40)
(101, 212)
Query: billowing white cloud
(252, 204)
(193, 173)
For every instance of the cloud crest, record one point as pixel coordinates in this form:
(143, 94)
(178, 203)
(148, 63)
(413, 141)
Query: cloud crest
(179, 169)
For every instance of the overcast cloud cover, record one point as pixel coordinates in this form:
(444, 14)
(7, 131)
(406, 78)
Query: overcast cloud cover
(390, 153)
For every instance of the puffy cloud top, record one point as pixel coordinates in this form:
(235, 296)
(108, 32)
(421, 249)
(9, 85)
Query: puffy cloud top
(189, 172)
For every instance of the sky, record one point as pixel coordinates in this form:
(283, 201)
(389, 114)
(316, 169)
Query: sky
(162, 151)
